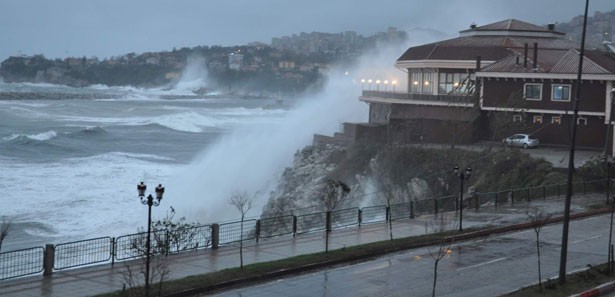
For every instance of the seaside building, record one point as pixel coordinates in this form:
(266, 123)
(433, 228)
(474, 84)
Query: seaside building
(490, 82)
(235, 61)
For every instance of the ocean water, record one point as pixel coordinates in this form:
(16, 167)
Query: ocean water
(69, 168)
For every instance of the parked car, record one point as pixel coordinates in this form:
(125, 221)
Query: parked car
(521, 140)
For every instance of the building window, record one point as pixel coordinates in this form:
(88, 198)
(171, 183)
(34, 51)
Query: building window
(538, 119)
(556, 120)
(532, 91)
(416, 79)
(581, 121)
(456, 83)
(428, 82)
(560, 92)
(421, 82)
(517, 118)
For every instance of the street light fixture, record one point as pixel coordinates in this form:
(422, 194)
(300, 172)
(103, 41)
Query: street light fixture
(377, 85)
(386, 84)
(369, 84)
(462, 176)
(363, 84)
(149, 201)
(394, 83)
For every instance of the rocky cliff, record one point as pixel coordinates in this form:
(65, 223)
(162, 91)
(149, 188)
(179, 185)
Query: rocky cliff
(401, 174)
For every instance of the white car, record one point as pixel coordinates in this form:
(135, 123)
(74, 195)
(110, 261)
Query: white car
(521, 140)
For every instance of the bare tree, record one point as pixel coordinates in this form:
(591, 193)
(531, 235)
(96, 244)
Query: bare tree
(503, 121)
(5, 226)
(243, 203)
(133, 275)
(170, 236)
(538, 218)
(440, 224)
(333, 192)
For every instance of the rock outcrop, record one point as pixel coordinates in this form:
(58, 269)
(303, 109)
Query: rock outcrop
(300, 185)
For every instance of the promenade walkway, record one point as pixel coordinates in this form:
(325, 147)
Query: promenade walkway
(106, 278)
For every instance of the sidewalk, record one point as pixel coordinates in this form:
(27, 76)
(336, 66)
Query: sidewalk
(106, 278)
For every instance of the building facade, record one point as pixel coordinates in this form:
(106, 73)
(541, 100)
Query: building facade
(495, 80)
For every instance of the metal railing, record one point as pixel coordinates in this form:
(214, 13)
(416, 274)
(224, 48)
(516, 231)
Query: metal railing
(311, 222)
(231, 232)
(452, 98)
(373, 214)
(21, 262)
(276, 226)
(345, 217)
(400, 211)
(104, 249)
(83, 252)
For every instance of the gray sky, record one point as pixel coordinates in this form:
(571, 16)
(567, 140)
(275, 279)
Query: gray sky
(103, 28)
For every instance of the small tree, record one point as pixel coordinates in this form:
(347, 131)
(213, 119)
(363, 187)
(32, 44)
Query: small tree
(172, 235)
(243, 204)
(4, 230)
(133, 275)
(333, 192)
(440, 224)
(538, 218)
(169, 235)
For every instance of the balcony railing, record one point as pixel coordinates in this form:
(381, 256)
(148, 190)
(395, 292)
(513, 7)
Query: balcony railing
(451, 98)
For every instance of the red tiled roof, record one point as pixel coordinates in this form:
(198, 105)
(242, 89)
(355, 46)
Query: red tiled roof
(556, 61)
(491, 47)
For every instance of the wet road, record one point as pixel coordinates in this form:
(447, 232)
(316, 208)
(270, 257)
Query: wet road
(486, 267)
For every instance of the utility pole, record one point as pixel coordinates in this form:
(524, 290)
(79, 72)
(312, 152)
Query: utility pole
(564, 250)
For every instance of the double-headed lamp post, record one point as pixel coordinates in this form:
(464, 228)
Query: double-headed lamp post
(462, 175)
(149, 201)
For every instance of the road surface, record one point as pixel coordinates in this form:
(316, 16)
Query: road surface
(484, 267)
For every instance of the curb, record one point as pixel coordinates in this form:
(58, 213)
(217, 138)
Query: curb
(319, 265)
(598, 291)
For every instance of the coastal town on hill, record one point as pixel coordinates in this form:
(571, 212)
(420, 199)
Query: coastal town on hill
(289, 65)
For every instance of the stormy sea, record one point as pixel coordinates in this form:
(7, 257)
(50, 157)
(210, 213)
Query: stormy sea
(70, 160)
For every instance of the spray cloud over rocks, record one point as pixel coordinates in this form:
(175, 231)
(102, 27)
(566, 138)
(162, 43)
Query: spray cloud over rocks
(194, 76)
(252, 159)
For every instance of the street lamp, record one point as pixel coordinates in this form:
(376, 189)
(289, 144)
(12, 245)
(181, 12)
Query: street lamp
(369, 84)
(363, 84)
(386, 84)
(149, 201)
(394, 83)
(462, 175)
(377, 85)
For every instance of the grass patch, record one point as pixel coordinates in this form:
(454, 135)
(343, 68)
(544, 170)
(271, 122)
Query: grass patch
(575, 283)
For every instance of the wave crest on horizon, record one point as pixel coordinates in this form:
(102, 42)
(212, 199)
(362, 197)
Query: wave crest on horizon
(40, 136)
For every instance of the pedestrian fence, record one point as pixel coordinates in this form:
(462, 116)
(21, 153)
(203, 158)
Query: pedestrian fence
(21, 262)
(163, 242)
(373, 214)
(232, 232)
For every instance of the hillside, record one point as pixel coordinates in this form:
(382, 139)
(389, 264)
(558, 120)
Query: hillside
(402, 174)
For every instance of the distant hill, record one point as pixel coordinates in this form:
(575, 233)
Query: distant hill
(600, 27)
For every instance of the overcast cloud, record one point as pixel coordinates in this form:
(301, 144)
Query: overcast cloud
(103, 28)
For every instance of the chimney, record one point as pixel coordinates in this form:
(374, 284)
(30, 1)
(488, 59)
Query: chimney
(473, 26)
(551, 27)
(477, 83)
(535, 56)
(525, 56)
